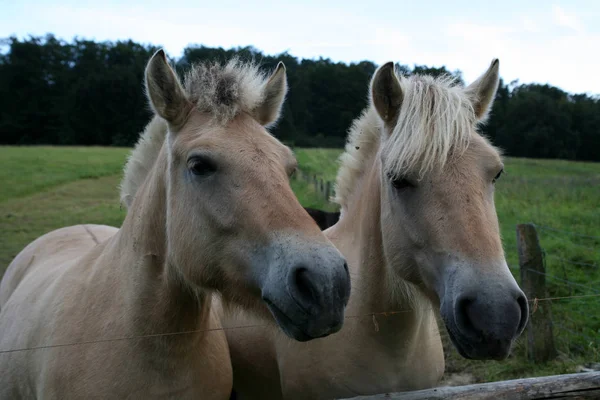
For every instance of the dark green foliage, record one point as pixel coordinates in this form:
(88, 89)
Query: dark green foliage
(91, 93)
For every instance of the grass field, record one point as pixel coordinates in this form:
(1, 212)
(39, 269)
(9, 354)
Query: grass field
(44, 188)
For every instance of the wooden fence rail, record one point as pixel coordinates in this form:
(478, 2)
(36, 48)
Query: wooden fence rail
(572, 386)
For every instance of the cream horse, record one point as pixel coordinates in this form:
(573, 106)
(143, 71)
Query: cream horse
(92, 311)
(420, 232)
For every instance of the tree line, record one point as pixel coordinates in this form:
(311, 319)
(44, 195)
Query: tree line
(91, 93)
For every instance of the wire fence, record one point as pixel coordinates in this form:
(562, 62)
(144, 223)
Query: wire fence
(550, 229)
(573, 269)
(558, 279)
(571, 318)
(575, 316)
(373, 315)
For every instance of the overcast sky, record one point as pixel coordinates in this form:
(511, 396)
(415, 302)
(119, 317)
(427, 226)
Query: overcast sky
(536, 41)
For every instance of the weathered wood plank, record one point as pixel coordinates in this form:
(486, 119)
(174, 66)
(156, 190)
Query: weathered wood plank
(540, 340)
(572, 386)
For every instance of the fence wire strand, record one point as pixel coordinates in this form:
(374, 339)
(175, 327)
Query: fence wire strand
(373, 315)
(548, 228)
(556, 278)
(573, 262)
(556, 235)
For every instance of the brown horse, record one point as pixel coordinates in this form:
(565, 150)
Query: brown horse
(94, 311)
(419, 229)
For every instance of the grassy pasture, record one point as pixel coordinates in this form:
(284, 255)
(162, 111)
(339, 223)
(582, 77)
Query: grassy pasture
(44, 188)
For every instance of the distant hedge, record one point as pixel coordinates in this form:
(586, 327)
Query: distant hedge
(90, 93)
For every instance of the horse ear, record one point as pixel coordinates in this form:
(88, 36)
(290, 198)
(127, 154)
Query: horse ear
(164, 90)
(274, 91)
(386, 93)
(483, 91)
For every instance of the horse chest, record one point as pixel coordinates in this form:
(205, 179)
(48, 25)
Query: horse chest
(353, 363)
(121, 373)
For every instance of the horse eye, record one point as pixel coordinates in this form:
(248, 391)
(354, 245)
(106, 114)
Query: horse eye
(401, 183)
(498, 175)
(201, 166)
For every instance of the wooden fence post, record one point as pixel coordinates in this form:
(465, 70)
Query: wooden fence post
(540, 341)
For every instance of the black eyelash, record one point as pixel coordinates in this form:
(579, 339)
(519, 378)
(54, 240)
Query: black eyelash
(201, 166)
(400, 182)
(498, 176)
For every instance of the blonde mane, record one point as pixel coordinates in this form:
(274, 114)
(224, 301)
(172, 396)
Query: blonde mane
(222, 91)
(436, 120)
(141, 158)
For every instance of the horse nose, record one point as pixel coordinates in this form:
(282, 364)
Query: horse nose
(493, 319)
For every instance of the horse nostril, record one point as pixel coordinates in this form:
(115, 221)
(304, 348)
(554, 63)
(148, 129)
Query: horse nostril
(464, 315)
(346, 268)
(302, 288)
(524, 306)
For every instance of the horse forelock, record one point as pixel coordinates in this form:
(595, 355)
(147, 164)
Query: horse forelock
(435, 122)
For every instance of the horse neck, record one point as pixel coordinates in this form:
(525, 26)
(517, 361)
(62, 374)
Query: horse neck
(159, 299)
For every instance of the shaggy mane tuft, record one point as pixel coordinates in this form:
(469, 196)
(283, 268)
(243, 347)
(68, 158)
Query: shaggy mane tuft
(225, 90)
